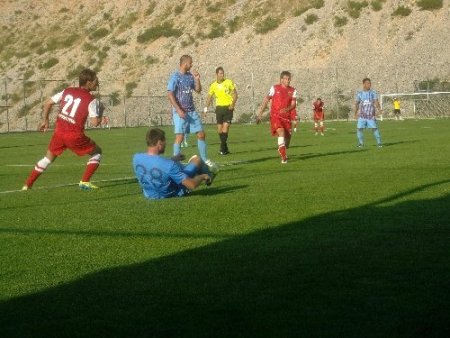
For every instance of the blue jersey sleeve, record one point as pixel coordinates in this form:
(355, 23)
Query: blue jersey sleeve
(374, 95)
(176, 173)
(172, 84)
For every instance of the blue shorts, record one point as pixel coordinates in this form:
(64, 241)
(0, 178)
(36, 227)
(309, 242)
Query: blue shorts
(367, 123)
(191, 124)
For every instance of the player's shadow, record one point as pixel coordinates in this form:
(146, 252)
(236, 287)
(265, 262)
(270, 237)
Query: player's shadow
(308, 156)
(23, 145)
(390, 144)
(217, 190)
(377, 270)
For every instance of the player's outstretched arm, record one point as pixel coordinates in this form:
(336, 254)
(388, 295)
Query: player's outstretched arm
(43, 126)
(234, 95)
(198, 85)
(208, 102)
(261, 109)
(175, 105)
(378, 107)
(355, 110)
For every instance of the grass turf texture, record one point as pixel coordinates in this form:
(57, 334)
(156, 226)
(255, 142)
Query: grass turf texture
(339, 242)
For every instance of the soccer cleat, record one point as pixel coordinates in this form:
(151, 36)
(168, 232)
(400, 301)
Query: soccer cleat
(25, 188)
(87, 186)
(213, 171)
(380, 146)
(316, 134)
(360, 145)
(322, 134)
(225, 152)
(284, 161)
(209, 163)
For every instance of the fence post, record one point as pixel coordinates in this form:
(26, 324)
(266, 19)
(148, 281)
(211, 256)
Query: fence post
(124, 112)
(253, 97)
(6, 104)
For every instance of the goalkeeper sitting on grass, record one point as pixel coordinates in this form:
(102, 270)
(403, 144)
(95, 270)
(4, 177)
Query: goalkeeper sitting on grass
(161, 177)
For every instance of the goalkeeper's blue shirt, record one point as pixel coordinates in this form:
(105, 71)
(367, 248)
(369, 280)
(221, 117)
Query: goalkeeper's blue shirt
(159, 177)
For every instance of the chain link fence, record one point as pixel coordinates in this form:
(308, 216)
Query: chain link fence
(143, 104)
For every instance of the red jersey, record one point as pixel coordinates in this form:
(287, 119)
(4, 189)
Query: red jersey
(281, 98)
(76, 105)
(318, 110)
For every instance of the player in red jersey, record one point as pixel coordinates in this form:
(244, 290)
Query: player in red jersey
(319, 116)
(283, 98)
(76, 105)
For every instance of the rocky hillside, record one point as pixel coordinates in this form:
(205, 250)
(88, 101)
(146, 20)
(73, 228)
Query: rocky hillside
(134, 45)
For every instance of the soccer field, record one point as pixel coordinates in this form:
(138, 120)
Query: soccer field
(340, 242)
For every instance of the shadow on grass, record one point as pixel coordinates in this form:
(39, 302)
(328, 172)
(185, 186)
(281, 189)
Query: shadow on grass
(308, 156)
(209, 191)
(113, 234)
(390, 144)
(24, 145)
(379, 270)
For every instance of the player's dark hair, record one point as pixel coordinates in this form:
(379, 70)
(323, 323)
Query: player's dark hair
(319, 99)
(366, 79)
(185, 58)
(285, 73)
(218, 69)
(85, 76)
(154, 135)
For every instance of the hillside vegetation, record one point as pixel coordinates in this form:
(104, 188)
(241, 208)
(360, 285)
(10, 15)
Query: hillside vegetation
(328, 45)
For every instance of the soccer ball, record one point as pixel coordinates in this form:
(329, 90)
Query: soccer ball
(213, 167)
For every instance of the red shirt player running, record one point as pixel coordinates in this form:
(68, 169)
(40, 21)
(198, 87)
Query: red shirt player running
(282, 112)
(76, 105)
(319, 116)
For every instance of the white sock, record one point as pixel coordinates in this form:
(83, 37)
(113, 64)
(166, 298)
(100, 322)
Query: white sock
(42, 164)
(280, 140)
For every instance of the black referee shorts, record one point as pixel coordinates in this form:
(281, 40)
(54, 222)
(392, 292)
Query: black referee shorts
(224, 115)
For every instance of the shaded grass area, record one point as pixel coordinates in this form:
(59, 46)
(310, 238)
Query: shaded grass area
(339, 242)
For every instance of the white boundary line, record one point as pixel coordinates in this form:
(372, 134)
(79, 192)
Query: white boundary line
(58, 165)
(224, 164)
(71, 184)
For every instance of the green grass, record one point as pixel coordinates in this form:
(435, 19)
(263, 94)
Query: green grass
(340, 21)
(311, 18)
(339, 242)
(267, 25)
(430, 4)
(164, 30)
(402, 11)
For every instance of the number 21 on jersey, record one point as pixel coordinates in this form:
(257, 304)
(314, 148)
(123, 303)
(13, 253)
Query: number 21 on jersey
(71, 104)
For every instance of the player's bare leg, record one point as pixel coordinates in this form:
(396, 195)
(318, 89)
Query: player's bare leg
(39, 168)
(91, 167)
(321, 128)
(316, 127)
(282, 145)
(287, 141)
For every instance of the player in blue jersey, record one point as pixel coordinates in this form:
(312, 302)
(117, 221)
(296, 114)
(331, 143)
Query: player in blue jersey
(366, 108)
(186, 119)
(161, 177)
